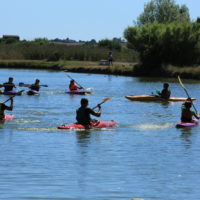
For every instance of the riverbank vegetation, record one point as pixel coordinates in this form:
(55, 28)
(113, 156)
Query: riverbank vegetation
(42, 49)
(73, 66)
(165, 36)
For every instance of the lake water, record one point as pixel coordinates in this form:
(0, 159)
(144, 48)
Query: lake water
(144, 156)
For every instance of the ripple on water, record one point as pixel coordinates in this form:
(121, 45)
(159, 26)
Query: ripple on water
(26, 121)
(37, 128)
(152, 126)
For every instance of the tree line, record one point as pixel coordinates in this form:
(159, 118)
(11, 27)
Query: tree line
(164, 34)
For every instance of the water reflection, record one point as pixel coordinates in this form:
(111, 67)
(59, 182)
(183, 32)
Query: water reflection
(165, 104)
(185, 135)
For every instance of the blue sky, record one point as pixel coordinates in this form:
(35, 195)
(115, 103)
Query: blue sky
(75, 19)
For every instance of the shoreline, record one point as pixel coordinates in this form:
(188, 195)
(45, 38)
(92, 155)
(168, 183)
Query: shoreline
(118, 68)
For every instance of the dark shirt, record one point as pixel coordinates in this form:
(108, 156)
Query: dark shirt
(8, 86)
(83, 115)
(187, 114)
(2, 108)
(165, 94)
(35, 87)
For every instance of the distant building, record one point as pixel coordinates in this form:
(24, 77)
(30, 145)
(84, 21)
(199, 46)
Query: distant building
(16, 37)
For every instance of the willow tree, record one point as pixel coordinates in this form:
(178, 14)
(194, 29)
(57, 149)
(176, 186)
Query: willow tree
(163, 12)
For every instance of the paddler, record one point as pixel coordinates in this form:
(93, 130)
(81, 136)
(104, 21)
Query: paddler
(8, 86)
(73, 86)
(187, 114)
(4, 107)
(83, 113)
(165, 94)
(36, 85)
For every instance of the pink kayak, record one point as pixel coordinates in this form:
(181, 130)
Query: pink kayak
(98, 124)
(80, 92)
(187, 124)
(7, 117)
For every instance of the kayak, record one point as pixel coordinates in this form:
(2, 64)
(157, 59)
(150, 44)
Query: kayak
(7, 117)
(187, 124)
(155, 98)
(98, 124)
(33, 92)
(13, 92)
(80, 92)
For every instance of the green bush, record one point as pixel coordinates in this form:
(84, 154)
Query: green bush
(157, 44)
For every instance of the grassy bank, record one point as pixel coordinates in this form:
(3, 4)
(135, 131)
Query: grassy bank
(73, 66)
(125, 69)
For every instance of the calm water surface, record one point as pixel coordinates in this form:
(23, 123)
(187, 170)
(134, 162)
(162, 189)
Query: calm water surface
(145, 156)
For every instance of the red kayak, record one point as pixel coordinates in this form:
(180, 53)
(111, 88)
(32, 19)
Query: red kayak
(98, 124)
(7, 117)
(193, 123)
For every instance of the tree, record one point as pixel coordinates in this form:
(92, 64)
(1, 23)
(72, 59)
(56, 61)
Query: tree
(164, 12)
(110, 44)
(157, 44)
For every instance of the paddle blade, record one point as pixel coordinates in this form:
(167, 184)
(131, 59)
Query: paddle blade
(106, 99)
(181, 83)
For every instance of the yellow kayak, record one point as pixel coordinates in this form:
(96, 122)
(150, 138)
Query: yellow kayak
(156, 98)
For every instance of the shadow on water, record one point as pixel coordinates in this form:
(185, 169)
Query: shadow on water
(185, 134)
(83, 136)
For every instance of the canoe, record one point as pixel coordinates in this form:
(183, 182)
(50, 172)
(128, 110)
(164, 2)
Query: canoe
(98, 124)
(7, 117)
(187, 124)
(13, 92)
(33, 92)
(156, 98)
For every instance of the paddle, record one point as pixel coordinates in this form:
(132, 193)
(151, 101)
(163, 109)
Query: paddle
(12, 96)
(181, 83)
(28, 85)
(104, 100)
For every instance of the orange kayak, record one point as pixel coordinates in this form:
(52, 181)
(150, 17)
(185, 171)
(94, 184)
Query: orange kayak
(156, 98)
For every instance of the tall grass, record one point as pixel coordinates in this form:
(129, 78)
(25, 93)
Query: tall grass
(55, 52)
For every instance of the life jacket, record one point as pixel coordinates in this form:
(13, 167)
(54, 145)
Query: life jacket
(73, 86)
(1, 111)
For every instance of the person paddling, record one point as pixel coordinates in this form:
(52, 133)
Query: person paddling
(165, 94)
(4, 107)
(36, 85)
(83, 114)
(73, 86)
(8, 86)
(187, 114)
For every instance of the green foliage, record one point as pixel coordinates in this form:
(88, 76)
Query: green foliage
(41, 41)
(36, 50)
(110, 44)
(163, 11)
(158, 44)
